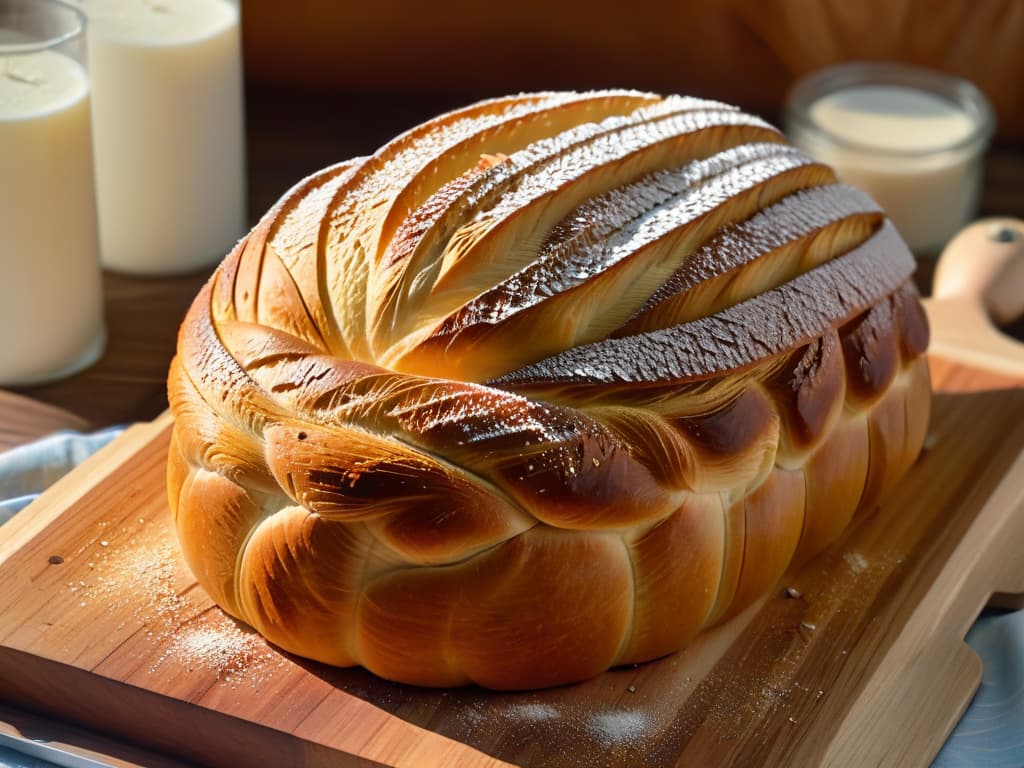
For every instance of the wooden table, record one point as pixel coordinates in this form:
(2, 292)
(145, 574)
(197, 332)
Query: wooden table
(289, 135)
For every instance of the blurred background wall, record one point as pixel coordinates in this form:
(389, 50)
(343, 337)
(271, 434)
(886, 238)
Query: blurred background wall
(746, 52)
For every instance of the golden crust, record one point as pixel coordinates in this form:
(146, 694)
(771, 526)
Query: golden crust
(546, 385)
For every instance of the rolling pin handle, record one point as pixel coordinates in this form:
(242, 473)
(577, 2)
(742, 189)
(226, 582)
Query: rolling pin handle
(985, 263)
(1000, 233)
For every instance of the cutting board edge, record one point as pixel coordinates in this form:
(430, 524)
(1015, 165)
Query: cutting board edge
(242, 742)
(25, 693)
(951, 599)
(248, 740)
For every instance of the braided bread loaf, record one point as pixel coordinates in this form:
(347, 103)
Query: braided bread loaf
(546, 385)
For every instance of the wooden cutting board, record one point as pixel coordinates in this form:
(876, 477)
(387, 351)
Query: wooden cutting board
(859, 662)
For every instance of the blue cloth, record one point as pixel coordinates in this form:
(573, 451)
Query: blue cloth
(990, 735)
(28, 470)
(12, 759)
(991, 732)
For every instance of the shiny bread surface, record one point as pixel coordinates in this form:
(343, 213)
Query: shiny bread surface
(546, 385)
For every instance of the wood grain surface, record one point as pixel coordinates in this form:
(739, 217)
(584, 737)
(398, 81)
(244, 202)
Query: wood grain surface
(25, 420)
(860, 662)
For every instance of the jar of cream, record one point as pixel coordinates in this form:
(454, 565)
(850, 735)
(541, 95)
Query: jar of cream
(911, 138)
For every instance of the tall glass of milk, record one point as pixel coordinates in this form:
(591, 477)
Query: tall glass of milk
(51, 294)
(911, 138)
(168, 130)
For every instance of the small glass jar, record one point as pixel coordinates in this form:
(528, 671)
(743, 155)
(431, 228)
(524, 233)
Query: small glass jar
(911, 138)
(168, 131)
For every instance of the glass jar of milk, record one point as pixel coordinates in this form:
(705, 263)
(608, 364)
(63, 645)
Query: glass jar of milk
(911, 138)
(51, 292)
(168, 132)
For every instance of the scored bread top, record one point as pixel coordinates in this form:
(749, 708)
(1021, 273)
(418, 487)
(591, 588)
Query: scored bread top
(546, 384)
(506, 233)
